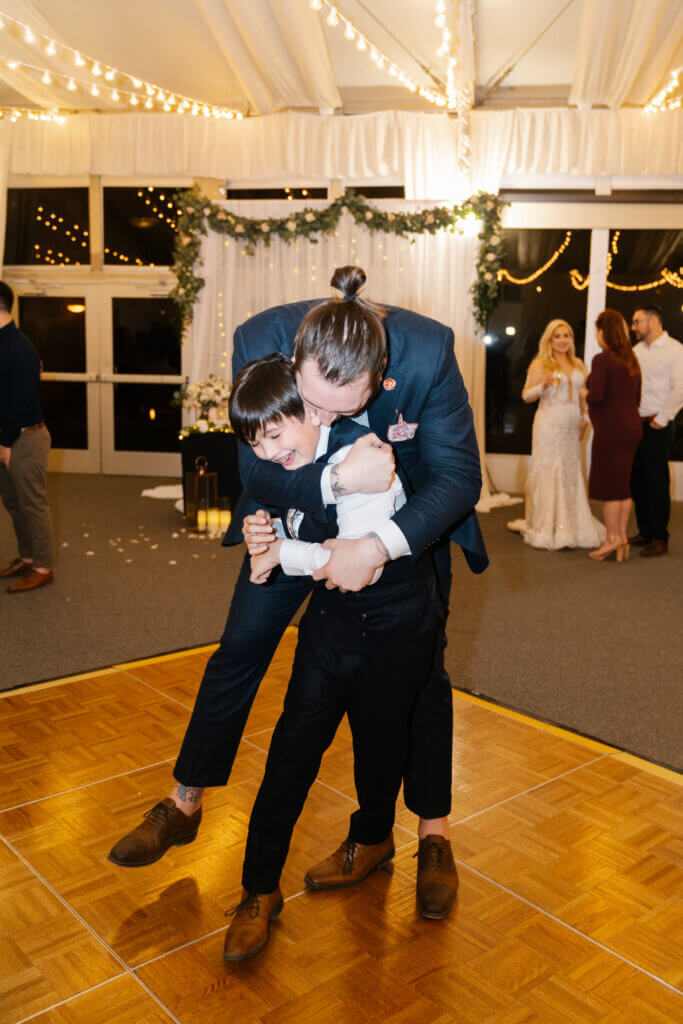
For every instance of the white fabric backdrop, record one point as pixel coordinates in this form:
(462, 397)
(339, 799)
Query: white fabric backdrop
(5, 134)
(431, 276)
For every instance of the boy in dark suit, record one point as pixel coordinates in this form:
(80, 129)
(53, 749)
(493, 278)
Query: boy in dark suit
(366, 654)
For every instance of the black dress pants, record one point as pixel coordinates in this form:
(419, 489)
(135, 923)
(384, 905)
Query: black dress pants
(258, 617)
(650, 486)
(377, 689)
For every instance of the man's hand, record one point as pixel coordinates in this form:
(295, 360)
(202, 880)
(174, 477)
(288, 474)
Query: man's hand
(5, 455)
(263, 565)
(258, 532)
(352, 563)
(367, 469)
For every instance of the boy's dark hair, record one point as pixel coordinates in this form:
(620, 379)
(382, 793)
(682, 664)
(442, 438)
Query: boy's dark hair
(345, 335)
(6, 297)
(652, 310)
(264, 392)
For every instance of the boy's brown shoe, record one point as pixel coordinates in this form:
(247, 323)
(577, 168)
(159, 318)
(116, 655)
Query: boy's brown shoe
(250, 927)
(437, 878)
(163, 826)
(350, 864)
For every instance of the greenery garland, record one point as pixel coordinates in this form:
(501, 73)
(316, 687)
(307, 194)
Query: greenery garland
(198, 213)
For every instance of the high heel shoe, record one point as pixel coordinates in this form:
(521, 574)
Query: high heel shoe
(624, 550)
(610, 545)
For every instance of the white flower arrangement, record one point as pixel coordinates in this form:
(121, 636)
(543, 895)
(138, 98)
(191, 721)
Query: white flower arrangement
(208, 399)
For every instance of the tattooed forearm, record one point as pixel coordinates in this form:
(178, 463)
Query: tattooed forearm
(337, 486)
(380, 545)
(191, 794)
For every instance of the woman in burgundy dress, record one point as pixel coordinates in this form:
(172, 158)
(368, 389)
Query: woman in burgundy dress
(613, 396)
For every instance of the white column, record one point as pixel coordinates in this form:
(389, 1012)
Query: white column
(597, 289)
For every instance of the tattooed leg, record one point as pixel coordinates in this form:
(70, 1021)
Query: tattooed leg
(187, 798)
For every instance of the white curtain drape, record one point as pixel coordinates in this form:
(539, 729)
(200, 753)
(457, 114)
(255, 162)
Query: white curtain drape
(431, 276)
(625, 49)
(5, 134)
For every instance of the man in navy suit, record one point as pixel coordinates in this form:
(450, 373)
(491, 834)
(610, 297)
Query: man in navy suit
(418, 404)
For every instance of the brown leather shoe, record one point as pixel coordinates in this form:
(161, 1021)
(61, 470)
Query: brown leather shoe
(163, 826)
(350, 864)
(654, 548)
(31, 581)
(437, 878)
(250, 927)
(638, 541)
(17, 567)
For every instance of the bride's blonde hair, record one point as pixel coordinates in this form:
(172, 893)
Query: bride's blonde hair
(545, 355)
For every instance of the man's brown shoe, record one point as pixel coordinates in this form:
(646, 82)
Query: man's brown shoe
(163, 826)
(350, 864)
(31, 581)
(638, 541)
(17, 567)
(250, 928)
(437, 878)
(654, 548)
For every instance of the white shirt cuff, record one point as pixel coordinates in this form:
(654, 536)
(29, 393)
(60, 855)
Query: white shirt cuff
(661, 419)
(393, 539)
(326, 486)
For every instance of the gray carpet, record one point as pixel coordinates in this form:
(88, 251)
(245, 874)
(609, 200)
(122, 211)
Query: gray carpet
(594, 647)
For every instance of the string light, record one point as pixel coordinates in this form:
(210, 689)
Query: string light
(506, 275)
(666, 98)
(666, 276)
(381, 60)
(98, 70)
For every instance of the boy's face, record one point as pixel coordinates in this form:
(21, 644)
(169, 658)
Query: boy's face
(289, 442)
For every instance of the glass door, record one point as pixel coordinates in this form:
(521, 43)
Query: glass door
(61, 323)
(140, 370)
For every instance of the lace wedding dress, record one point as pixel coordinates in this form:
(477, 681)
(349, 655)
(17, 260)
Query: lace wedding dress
(557, 511)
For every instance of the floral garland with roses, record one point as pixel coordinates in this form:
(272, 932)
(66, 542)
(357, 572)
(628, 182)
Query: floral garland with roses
(199, 214)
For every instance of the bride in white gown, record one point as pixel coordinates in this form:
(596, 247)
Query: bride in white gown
(557, 511)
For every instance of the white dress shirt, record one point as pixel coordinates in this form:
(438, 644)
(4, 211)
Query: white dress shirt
(357, 515)
(661, 364)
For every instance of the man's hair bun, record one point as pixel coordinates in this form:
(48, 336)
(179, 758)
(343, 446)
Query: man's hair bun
(348, 280)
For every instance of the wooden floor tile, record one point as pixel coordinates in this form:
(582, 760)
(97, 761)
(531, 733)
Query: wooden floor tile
(123, 1001)
(55, 739)
(46, 954)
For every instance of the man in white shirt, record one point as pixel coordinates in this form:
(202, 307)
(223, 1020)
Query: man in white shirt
(661, 364)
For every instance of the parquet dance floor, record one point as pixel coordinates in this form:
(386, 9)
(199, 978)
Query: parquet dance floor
(570, 858)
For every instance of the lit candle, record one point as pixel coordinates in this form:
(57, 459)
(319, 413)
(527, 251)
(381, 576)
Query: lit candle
(201, 520)
(212, 519)
(225, 518)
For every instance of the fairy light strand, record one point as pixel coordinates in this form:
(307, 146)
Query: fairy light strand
(504, 274)
(106, 80)
(668, 98)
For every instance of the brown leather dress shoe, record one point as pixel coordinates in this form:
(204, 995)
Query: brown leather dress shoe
(437, 878)
(250, 927)
(654, 548)
(638, 541)
(17, 567)
(350, 864)
(163, 826)
(31, 581)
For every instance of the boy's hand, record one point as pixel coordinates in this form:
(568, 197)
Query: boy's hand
(367, 469)
(263, 565)
(353, 563)
(258, 532)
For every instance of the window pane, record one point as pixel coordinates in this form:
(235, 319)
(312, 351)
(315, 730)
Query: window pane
(139, 226)
(56, 326)
(277, 193)
(47, 226)
(515, 327)
(144, 420)
(640, 258)
(146, 336)
(66, 412)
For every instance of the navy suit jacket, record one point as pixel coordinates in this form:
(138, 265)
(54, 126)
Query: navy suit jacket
(441, 462)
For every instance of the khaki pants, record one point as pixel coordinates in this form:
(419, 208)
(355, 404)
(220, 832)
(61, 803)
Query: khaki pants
(22, 488)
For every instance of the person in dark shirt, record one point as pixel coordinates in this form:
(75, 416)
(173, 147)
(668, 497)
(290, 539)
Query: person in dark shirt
(24, 445)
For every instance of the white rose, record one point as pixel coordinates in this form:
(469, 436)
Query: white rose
(220, 215)
(265, 226)
(490, 205)
(488, 276)
(490, 256)
(206, 211)
(369, 215)
(430, 218)
(186, 240)
(202, 426)
(291, 225)
(239, 229)
(309, 217)
(391, 216)
(495, 239)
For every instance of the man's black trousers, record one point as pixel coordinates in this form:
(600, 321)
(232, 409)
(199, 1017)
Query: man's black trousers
(258, 617)
(650, 487)
(377, 689)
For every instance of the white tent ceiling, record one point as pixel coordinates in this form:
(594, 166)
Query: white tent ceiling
(260, 56)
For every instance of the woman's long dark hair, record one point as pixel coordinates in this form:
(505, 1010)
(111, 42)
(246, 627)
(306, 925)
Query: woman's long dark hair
(344, 335)
(616, 337)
